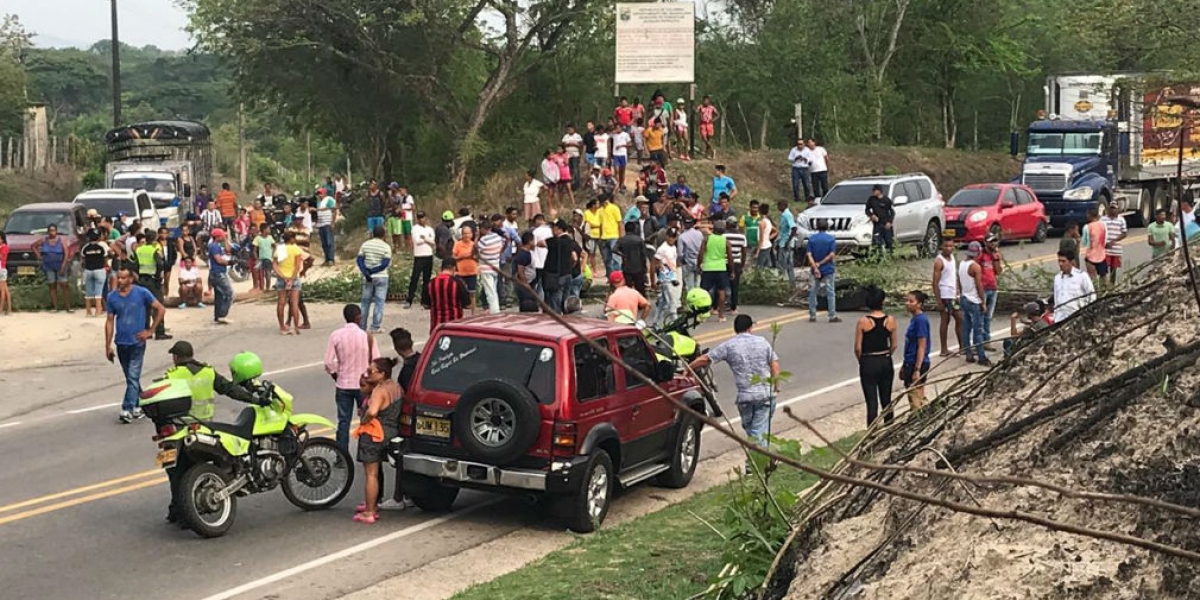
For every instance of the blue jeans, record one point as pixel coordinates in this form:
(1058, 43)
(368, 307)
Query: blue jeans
(973, 329)
(372, 223)
(130, 358)
(784, 259)
(691, 278)
(347, 404)
(374, 293)
(222, 294)
(764, 258)
(756, 418)
(800, 177)
(556, 288)
(612, 262)
(989, 308)
(830, 296)
(576, 287)
(326, 242)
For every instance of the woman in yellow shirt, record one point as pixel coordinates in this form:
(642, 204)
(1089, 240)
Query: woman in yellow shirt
(288, 264)
(468, 267)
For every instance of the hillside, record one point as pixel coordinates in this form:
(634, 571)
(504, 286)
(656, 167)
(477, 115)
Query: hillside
(59, 184)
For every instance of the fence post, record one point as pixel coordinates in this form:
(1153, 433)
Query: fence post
(54, 150)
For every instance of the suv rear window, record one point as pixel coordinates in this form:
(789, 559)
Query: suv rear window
(456, 362)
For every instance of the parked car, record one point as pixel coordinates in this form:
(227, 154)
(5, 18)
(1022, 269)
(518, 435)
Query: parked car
(918, 212)
(27, 226)
(518, 403)
(135, 203)
(1010, 211)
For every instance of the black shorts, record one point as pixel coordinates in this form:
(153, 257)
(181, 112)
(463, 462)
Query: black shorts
(907, 374)
(371, 451)
(713, 281)
(1101, 267)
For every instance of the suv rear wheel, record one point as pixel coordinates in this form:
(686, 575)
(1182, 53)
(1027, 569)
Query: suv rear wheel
(497, 421)
(428, 494)
(587, 508)
(685, 456)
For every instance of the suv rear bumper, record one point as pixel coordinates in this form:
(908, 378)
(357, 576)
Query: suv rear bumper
(562, 477)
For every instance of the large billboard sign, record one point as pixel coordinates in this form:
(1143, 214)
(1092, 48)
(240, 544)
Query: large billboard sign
(656, 42)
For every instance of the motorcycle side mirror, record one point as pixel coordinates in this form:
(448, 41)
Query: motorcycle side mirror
(664, 371)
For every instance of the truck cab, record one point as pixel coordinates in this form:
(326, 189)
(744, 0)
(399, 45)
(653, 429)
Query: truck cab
(1071, 165)
(167, 184)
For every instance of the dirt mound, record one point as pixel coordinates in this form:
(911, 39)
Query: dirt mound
(1105, 402)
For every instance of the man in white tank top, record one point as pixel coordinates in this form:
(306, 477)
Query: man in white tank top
(945, 289)
(970, 281)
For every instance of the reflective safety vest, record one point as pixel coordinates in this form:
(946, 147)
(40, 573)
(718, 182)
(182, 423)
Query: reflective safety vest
(146, 260)
(201, 383)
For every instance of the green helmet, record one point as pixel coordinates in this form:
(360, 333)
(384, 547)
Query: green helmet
(699, 302)
(245, 366)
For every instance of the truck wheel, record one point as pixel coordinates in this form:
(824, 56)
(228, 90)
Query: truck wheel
(684, 456)
(1145, 212)
(589, 505)
(932, 242)
(497, 420)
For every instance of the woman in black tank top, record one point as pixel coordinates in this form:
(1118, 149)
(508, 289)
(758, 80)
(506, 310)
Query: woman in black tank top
(874, 343)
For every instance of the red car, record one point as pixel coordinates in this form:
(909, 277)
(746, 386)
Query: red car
(1009, 210)
(520, 404)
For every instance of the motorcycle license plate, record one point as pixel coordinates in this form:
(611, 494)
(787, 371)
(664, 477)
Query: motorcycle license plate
(22, 271)
(432, 427)
(167, 458)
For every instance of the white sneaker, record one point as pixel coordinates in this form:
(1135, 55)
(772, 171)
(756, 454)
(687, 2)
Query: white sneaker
(391, 504)
(138, 414)
(126, 417)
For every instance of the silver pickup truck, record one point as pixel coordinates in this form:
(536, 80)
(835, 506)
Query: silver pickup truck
(918, 207)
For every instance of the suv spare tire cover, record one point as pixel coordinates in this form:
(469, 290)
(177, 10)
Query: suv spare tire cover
(525, 423)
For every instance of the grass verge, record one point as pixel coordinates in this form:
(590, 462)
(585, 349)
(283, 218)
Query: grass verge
(669, 554)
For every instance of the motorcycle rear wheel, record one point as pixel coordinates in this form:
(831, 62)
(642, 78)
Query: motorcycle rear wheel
(331, 480)
(203, 513)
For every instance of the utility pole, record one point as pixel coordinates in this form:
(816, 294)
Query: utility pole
(116, 68)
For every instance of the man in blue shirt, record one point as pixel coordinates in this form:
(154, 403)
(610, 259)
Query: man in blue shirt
(218, 277)
(679, 189)
(822, 250)
(723, 183)
(128, 314)
(785, 244)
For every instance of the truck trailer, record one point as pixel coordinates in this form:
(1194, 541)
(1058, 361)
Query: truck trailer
(170, 160)
(1112, 138)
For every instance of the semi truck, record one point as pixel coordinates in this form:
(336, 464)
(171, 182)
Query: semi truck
(170, 160)
(1112, 138)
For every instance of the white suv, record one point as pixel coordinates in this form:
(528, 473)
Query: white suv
(918, 212)
(135, 203)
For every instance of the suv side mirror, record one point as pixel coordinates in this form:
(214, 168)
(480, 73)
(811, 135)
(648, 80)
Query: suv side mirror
(898, 200)
(664, 371)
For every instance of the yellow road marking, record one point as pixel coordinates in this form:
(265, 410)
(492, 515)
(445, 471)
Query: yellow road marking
(80, 490)
(82, 500)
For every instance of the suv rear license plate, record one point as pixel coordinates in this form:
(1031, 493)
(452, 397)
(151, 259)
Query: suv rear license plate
(167, 458)
(22, 271)
(432, 427)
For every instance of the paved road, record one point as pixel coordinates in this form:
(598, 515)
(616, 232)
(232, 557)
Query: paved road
(81, 506)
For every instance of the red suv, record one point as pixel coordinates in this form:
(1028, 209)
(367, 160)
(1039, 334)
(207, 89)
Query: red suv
(520, 403)
(1011, 211)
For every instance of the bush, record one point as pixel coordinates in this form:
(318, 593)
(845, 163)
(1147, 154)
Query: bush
(764, 286)
(347, 285)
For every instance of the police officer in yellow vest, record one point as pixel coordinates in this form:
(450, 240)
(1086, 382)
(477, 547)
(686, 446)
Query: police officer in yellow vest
(206, 383)
(150, 266)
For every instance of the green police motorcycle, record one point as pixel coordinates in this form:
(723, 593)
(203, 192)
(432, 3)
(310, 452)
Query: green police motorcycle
(267, 446)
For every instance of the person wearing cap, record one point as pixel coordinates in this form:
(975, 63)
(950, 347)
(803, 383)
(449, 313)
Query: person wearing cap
(1115, 230)
(218, 276)
(205, 383)
(443, 236)
(970, 282)
(624, 301)
(94, 254)
(130, 307)
(992, 264)
(424, 246)
(1024, 324)
(679, 119)
(446, 296)
(531, 191)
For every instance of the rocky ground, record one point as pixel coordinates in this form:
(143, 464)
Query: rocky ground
(1106, 401)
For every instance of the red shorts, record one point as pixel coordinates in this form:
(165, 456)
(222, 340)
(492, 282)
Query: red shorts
(1113, 262)
(706, 130)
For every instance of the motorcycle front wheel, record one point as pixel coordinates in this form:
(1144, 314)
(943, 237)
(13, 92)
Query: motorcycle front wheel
(205, 513)
(321, 476)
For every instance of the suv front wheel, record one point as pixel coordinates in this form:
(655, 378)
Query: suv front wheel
(932, 242)
(587, 508)
(685, 456)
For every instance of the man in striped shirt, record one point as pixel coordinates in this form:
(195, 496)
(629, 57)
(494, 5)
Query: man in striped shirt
(737, 251)
(489, 249)
(374, 258)
(1115, 230)
(446, 296)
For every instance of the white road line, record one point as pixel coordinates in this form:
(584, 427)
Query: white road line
(10, 424)
(348, 552)
(91, 408)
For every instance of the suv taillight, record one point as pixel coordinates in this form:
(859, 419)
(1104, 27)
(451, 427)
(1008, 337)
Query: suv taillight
(406, 419)
(565, 435)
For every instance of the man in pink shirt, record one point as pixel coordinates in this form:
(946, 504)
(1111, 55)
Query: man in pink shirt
(625, 301)
(349, 353)
(1094, 252)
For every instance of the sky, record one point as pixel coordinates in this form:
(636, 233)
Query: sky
(62, 23)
